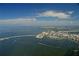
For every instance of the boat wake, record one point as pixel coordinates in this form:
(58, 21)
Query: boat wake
(48, 45)
(43, 44)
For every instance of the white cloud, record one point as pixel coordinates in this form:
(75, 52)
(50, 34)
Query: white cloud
(59, 15)
(71, 12)
(18, 21)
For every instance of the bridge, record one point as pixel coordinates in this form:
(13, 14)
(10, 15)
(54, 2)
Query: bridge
(15, 37)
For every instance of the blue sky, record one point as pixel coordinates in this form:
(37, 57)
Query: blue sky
(27, 14)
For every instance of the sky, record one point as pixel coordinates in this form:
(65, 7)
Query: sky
(31, 14)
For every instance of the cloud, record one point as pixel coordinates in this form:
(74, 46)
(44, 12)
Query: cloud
(18, 21)
(70, 12)
(59, 15)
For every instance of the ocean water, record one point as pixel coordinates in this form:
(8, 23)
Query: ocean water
(29, 45)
